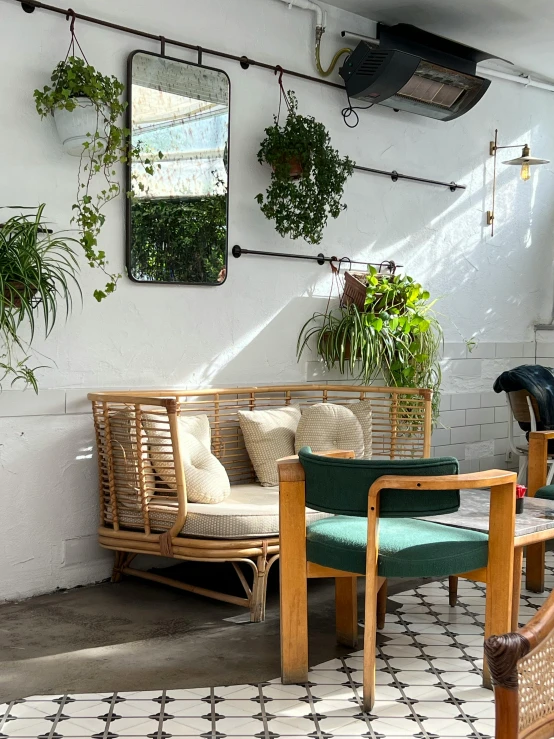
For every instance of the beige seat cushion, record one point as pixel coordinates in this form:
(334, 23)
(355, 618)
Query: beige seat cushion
(325, 426)
(205, 477)
(269, 436)
(250, 511)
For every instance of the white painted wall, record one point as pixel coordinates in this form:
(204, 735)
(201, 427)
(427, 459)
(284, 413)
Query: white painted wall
(244, 331)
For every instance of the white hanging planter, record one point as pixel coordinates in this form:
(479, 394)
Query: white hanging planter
(76, 127)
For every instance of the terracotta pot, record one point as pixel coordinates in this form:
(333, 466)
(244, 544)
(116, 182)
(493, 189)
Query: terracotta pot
(295, 168)
(19, 286)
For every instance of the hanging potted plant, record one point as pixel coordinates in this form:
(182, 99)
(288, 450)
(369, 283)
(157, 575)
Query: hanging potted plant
(87, 107)
(307, 178)
(38, 272)
(396, 335)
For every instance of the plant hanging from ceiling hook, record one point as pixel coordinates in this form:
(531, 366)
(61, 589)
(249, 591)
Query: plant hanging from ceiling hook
(87, 109)
(308, 175)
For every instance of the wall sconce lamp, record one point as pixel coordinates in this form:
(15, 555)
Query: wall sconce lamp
(525, 161)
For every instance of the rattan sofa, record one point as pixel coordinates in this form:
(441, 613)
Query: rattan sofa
(141, 514)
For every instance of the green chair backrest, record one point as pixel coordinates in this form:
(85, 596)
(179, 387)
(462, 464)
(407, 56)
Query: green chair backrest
(341, 486)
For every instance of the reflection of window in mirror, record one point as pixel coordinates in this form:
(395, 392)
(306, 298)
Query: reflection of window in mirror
(177, 216)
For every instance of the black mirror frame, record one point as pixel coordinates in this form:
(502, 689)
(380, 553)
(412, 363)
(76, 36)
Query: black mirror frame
(128, 221)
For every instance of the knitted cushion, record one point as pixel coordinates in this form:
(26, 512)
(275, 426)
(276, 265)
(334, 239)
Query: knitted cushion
(205, 477)
(325, 426)
(362, 411)
(407, 547)
(269, 436)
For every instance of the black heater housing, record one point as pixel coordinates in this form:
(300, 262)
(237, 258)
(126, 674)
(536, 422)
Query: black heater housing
(416, 71)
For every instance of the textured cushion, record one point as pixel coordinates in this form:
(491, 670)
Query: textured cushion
(547, 492)
(325, 426)
(342, 485)
(362, 411)
(269, 436)
(250, 511)
(205, 477)
(407, 547)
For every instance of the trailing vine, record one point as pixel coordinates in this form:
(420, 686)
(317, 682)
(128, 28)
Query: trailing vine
(301, 207)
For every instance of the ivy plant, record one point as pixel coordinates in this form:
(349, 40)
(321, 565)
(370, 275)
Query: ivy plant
(38, 273)
(397, 335)
(106, 147)
(301, 207)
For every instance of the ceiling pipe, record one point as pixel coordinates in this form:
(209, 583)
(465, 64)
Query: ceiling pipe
(523, 79)
(320, 15)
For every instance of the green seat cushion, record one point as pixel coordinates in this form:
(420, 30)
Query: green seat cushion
(407, 547)
(341, 486)
(547, 492)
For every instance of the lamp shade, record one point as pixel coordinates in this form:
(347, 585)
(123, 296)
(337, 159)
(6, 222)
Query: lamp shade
(527, 160)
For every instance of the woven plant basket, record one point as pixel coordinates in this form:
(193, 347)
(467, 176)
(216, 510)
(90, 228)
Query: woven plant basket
(355, 285)
(354, 290)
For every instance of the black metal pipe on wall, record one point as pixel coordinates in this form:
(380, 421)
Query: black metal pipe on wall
(30, 5)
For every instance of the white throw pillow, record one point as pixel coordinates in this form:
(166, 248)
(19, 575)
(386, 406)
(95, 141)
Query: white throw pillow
(269, 436)
(205, 477)
(325, 426)
(362, 411)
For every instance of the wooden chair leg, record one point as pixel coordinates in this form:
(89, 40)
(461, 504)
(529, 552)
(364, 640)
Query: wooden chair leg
(382, 605)
(534, 567)
(293, 582)
(500, 567)
(452, 590)
(346, 604)
(370, 637)
(516, 590)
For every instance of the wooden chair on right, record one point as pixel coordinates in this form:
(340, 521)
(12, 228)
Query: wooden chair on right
(522, 668)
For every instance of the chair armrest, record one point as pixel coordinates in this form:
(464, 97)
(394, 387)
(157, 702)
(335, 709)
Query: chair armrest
(544, 435)
(471, 480)
(538, 458)
(290, 469)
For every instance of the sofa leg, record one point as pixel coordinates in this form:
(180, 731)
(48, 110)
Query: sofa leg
(259, 592)
(122, 560)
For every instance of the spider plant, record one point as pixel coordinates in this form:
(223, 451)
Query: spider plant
(397, 336)
(37, 274)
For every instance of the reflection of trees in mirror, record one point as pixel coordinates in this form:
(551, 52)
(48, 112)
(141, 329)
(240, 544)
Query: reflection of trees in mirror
(179, 239)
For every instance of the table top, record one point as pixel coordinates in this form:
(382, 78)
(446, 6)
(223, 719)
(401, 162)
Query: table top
(538, 514)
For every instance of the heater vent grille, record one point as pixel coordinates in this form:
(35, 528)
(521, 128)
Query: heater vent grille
(371, 64)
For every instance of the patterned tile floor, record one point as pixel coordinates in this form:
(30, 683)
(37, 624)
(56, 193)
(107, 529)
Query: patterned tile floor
(428, 687)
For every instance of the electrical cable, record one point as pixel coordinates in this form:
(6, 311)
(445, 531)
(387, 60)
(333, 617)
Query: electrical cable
(351, 110)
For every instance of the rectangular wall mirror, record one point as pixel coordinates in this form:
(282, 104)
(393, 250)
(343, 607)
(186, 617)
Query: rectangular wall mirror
(177, 217)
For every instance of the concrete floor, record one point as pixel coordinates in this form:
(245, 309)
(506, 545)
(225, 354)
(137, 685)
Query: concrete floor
(137, 635)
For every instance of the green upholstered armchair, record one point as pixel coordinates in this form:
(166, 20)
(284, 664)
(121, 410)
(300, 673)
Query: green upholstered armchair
(375, 532)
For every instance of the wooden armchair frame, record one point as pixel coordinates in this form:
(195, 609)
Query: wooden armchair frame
(295, 569)
(537, 478)
(522, 667)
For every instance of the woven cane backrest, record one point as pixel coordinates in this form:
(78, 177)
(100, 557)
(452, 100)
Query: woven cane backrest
(536, 686)
(130, 454)
(520, 406)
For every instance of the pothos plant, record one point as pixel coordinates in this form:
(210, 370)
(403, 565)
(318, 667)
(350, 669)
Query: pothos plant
(397, 335)
(106, 147)
(301, 205)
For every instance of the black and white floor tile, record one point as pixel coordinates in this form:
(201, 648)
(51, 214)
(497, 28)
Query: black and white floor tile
(428, 687)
